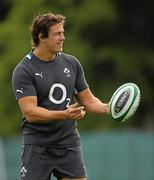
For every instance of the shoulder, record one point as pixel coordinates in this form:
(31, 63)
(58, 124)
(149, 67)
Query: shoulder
(25, 61)
(23, 66)
(69, 58)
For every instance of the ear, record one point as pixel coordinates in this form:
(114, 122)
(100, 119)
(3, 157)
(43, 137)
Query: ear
(41, 36)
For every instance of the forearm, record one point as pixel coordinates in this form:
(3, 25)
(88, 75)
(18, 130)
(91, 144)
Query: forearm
(96, 106)
(42, 115)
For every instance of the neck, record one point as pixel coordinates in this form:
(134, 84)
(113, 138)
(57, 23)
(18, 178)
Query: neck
(44, 55)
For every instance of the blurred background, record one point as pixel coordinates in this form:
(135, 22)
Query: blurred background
(114, 41)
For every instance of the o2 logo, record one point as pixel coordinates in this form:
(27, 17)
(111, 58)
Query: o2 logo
(64, 94)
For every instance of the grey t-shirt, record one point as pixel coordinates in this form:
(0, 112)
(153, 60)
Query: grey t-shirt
(54, 83)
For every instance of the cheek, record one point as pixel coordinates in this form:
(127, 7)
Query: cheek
(51, 43)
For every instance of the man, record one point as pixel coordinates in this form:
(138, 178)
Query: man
(45, 83)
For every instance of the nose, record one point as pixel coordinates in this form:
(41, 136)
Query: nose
(63, 37)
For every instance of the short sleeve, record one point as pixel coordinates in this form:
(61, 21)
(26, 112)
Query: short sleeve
(81, 82)
(22, 83)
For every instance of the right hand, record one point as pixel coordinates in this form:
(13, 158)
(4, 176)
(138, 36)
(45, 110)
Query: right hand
(75, 112)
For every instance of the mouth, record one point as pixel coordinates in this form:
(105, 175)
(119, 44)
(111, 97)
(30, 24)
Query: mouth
(60, 44)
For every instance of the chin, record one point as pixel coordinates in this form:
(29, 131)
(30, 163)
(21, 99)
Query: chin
(60, 50)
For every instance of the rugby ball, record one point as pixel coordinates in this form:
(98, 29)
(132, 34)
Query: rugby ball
(124, 102)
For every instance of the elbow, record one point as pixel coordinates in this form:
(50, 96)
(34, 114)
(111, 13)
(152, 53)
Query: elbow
(30, 119)
(29, 116)
(28, 106)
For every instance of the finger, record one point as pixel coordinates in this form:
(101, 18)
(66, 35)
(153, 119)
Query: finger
(80, 108)
(73, 105)
(77, 110)
(81, 115)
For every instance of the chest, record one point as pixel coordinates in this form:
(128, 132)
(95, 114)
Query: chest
(54, 80)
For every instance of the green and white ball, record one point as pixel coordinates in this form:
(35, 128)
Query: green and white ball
(124, 102)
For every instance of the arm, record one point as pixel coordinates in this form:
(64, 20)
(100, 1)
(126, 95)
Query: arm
(91, 103)
(36, 114)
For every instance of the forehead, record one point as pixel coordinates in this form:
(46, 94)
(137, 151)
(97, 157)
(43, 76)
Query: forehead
(57, 27)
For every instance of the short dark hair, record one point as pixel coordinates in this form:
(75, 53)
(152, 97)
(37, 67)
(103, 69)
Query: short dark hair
(42, 23)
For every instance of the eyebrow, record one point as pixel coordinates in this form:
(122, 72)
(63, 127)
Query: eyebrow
(59, 31)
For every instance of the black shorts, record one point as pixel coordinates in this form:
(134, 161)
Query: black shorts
(40, 163)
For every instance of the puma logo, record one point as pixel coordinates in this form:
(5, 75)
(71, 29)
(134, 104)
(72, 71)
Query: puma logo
(39, 74)
(20, 90)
